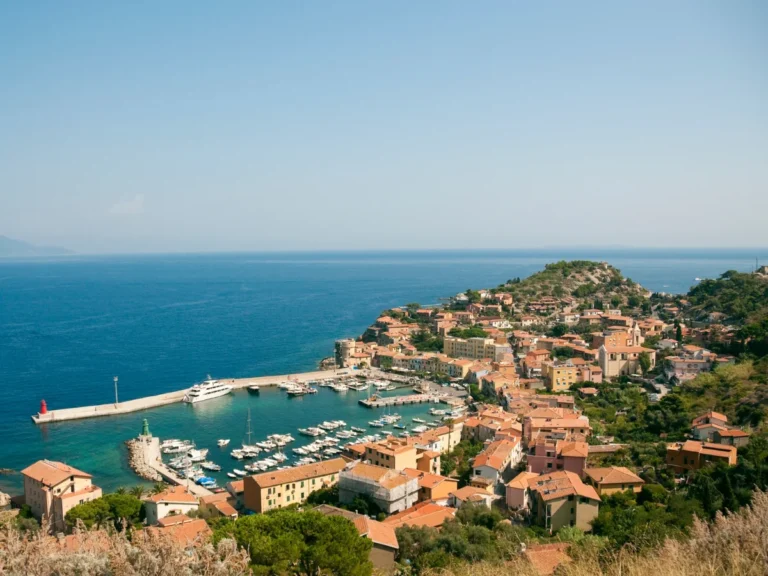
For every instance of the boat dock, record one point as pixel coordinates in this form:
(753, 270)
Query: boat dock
(171, 477)
(379, 402)
(138, 404)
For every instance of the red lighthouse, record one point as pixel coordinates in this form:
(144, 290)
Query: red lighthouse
(43, 407)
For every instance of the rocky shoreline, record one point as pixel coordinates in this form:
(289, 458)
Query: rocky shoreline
(138, 463)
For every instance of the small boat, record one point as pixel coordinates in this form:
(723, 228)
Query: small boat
(376, 423)
(253, 388)
(420, 429)
(358, 429)
(231, 475)
(399, 426)
(223, 442)
(240, 472)
(311, 431)
(419, 420)
(279, 457)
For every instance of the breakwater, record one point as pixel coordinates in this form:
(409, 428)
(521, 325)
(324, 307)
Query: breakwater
(81, 412)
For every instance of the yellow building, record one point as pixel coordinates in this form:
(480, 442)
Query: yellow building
(391, 453)
(474, 348)
(559, 377)
(561, 499)
(52, 489)
(271, 490)
(613, 479)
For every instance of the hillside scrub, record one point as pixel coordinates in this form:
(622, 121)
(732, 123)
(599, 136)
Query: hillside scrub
(111, 553)
(732, 545)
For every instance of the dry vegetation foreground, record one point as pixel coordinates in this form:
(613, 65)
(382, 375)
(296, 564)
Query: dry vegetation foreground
(733, 545)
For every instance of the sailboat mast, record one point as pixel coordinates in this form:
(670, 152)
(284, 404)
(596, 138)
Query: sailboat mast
(248, 432)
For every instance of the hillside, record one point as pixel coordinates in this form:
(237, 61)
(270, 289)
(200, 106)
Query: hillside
(582, 279)
(10, 248)
(736, 294)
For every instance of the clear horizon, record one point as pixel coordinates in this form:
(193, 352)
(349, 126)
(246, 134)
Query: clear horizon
(194, 128)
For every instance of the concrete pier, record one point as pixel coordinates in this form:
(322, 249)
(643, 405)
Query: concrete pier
(129, 406)
(398, 400)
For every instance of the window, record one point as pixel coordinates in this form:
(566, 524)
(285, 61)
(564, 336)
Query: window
(302, 484)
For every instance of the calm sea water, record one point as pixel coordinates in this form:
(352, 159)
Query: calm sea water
(161, 323)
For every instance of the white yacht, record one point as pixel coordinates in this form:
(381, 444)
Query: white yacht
(206, 391)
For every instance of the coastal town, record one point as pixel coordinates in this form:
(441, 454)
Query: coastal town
(521, 371)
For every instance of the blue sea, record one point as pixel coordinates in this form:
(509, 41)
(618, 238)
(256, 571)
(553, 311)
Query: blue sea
(163, 322)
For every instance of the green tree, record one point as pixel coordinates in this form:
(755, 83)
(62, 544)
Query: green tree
(644, 360)
(158, 487)
(138, 491)
(301, 543)
(94, 513)
(679, 334)
(120, 490)
(558, 330)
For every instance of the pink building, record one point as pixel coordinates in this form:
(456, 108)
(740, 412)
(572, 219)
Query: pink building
(547, 456)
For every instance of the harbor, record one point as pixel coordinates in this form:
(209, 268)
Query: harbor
(205, 467)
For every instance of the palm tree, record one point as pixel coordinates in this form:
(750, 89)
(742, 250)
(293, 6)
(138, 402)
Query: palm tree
(138, 491)
(158, 487)
(120, 490)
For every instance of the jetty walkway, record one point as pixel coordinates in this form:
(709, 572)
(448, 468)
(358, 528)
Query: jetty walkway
(171, 477)
(138, 404)
(381, 402)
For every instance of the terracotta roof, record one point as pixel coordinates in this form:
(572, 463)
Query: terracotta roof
(577, 449)
(707, 448)
(385, 477)
(89, 490)
(709, 415)
(561, 484)
(521, 480)
(237, 486)
(468, 492)
(733, 433)
(297, 473)
(427, 480)
(545, 558)
(51, 473)
(423, 514)
(496, 455)
(174, 494)
(378, 532)
(185, 532)
(173, 519)
(613, 475)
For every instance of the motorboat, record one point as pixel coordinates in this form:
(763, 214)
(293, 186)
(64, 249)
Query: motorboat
(253, 387)
(312, 431)
(223, 442)
(419, 420)
(376, 423)
(231, 475)
(240, 472)
(207, 390)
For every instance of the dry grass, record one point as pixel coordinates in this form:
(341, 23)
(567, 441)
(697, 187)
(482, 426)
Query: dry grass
(733, 545)
(99, 553)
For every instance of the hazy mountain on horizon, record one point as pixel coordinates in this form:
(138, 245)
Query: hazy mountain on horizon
(10, 248)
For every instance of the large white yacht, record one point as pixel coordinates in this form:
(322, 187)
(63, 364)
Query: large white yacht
(206, 391)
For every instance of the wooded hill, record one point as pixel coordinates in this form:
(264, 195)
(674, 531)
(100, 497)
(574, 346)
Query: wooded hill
(582, 279)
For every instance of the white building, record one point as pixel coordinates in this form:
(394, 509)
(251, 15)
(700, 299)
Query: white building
(174, 500)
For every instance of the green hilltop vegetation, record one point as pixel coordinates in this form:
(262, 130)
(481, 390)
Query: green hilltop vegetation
(582, 279)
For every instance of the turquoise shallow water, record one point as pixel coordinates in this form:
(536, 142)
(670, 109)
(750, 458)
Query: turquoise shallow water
(161, 323)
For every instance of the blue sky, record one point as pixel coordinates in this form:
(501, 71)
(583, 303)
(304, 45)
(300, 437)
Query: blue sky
(189, 126)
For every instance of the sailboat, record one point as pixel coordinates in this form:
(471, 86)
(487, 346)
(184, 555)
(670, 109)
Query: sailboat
(249, 447)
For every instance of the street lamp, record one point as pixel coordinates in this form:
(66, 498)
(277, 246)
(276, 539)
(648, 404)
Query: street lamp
(115, 390)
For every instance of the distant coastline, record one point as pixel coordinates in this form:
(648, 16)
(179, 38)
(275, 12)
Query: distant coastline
(11, 248)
